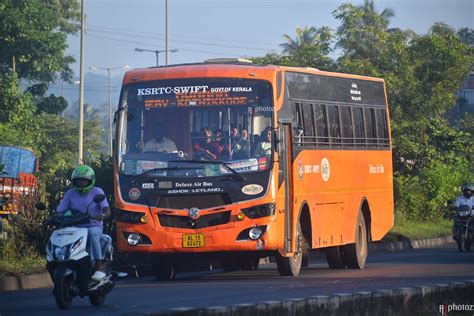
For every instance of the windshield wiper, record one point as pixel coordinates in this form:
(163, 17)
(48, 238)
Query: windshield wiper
(235, 173)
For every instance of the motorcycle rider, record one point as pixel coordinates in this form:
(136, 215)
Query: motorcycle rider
(466, 198)
(80, 197)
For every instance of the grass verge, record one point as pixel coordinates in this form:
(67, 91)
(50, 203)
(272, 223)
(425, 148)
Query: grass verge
(22, 266)
(415, 229)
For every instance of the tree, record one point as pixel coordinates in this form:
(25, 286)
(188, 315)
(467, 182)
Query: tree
(362, 27)
(466, 35)
(52, 105)
(307, 37)
(33, 40)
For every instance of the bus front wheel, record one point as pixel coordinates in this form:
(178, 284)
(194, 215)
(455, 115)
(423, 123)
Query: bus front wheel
(291, 266)
(163, 268)
(355, 254)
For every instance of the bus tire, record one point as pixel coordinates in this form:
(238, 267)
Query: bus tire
(163, 268)
(335, 257)
(355, 254)
(291, 266)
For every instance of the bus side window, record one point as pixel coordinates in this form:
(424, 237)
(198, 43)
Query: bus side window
(370, 128)
(382, 127)
(359, 128)
(321, 122)
(347, 127)
(298, 130)
(334, 125)
(308, 124)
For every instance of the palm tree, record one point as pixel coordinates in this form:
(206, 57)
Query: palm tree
(369, 9)
(307, 36)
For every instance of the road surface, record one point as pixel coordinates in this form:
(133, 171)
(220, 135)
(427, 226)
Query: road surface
(383, 271)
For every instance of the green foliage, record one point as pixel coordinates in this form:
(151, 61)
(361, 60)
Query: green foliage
(52, 105)
(424, 196)
(23, 249)
(32, 42)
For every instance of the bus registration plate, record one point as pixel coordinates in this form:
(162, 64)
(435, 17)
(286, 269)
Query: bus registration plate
(193, 240)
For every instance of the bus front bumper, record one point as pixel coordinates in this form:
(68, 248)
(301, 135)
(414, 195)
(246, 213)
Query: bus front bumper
(239, 236)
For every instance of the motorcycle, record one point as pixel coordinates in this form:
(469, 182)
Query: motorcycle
(68, 260)
(463, 227)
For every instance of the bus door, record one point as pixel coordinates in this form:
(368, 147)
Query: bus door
(285, 171)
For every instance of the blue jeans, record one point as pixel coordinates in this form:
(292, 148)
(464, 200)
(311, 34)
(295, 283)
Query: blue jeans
(93, 243)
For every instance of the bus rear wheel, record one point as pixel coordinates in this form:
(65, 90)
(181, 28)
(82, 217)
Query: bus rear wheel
(291, 266)
(335, 257)
(355, 254)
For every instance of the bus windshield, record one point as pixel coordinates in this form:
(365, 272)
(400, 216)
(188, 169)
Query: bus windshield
(174, 128)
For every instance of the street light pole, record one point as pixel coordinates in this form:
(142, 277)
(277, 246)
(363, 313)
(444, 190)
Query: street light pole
(81, 88)
(157, 52)
(109, 69)
(166, 27)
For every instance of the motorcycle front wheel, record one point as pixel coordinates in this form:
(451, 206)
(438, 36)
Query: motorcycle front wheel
(461, 239)
(97, 299)
(62, 293)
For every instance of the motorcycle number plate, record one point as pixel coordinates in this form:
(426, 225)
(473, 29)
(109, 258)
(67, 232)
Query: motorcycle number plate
(193, 240)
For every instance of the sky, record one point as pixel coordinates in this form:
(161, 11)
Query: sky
(222, 28)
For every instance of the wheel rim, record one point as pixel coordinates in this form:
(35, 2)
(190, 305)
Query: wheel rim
(361, 243)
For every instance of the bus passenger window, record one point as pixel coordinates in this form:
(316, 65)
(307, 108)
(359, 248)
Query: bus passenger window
(334, 125)
(321, 122)
(347, 127)
(308, 125)
(359, 127)
(369, 117)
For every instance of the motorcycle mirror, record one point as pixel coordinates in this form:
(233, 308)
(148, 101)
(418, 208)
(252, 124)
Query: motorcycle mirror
(99, 198)
(40, 206)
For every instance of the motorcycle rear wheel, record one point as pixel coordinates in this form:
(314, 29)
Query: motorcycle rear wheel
(62, 292)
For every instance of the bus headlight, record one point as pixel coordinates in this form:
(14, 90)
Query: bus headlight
(255, 233)
(133, 239)
(258, 211)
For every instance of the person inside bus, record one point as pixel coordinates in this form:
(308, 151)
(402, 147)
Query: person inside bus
(264, 147)
(220, 146)
(158, 142)
(203, 147)
(241, 149)
(234, 135)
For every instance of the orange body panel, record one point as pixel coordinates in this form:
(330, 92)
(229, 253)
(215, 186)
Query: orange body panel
(334, 198)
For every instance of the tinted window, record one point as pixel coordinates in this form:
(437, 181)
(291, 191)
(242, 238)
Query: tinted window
(359, 128)
(382, 128)
(321, 122)
(334, 125)
(347, 128)
(369, 117)
(308, 123)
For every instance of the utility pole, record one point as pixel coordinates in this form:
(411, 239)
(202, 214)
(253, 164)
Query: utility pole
(166, 27)
(81, 88)
(108, 69)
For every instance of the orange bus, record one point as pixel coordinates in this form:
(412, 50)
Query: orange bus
(228, 162)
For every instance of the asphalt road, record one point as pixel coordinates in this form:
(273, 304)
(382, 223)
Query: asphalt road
(383, 271)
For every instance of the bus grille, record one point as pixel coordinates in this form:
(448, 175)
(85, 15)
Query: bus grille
(204, 221)
(201, 201)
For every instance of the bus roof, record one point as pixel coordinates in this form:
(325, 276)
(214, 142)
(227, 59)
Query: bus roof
(225, 69)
